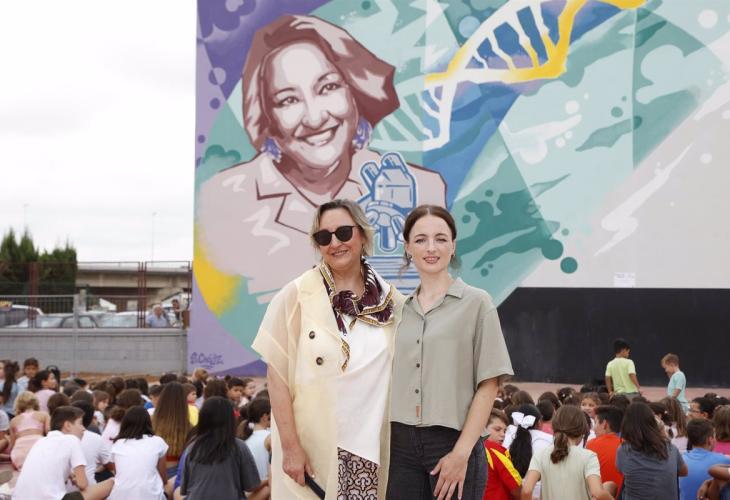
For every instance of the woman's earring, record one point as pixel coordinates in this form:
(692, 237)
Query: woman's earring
(362, 135)
(271, 149)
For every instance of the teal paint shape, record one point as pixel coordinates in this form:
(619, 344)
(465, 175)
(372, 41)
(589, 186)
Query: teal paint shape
(607, 137)
(568, 265)
(227, 145)
(242, 320)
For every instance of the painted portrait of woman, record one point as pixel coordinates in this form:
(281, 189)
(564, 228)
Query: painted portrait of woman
(311, 97)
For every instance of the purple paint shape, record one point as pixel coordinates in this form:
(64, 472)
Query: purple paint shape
(254, 369)
(209, 344)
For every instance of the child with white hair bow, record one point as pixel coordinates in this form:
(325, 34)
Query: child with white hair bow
(524, 437)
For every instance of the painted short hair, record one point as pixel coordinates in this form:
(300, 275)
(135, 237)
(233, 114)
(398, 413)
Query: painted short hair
(369, 78)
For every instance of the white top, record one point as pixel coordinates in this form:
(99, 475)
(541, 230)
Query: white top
(361, 400)
(565, 480)
(97, 451)
(136, 464)
(99, 416)
(540, 439)
(111, 430)
(255, 443)
(48, 465)
(4, 421)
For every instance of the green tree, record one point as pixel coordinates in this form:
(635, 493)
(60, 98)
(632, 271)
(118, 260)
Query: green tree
(56, 269)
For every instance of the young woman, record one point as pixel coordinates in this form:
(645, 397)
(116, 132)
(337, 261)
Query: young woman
(449, 357)
(217, 464)
(171, 422)
(27, 427)
(45, 385)
(649, 462)
(139, 459)
(565, 469)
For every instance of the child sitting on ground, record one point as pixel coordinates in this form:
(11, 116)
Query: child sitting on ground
(97, 451)
(27, 427)
(567, 471)
(503, 480)
(701, 438)
(54, 459)
(139, 459)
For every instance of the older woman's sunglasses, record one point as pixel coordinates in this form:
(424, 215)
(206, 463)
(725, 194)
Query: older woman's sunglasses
(324, 237)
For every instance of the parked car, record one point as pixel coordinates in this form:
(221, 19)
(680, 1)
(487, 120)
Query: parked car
(12, 314)
(60, 321)
(120, 320)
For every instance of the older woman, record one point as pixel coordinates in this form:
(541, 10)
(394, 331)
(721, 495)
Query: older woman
(327, 338)
(311, 96)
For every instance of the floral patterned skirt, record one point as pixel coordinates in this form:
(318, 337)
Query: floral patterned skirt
(357, 477)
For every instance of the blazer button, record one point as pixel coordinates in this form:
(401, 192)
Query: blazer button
(311, 335)
(320, 361)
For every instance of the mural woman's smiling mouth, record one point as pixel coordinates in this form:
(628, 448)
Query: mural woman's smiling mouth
(320, 138)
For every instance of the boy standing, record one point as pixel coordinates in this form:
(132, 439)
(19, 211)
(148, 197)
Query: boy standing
(503, 480)
(621, 372)
(677, 380)
(701, 437)
(56, 457)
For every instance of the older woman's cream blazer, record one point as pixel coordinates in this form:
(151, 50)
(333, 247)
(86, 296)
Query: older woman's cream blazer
(300, 341)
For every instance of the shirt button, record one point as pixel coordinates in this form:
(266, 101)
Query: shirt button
(417, 391)
(320, 361)
(418, 365)
(311, 335)
(418, 341)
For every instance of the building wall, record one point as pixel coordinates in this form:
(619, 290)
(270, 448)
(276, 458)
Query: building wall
(150, 351)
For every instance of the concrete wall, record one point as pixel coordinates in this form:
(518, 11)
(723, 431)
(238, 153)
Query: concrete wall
(118, 350)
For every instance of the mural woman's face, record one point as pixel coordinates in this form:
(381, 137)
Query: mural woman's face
(312, 106)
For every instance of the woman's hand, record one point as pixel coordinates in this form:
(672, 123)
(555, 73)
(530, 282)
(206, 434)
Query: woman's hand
(451, 470)
(295, 463)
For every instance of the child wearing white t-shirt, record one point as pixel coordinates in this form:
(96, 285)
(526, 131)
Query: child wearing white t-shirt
(55, 458)
(139, 459)
(97, 450)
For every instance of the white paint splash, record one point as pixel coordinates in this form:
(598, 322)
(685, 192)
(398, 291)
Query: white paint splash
(532, 143)
(621, 221)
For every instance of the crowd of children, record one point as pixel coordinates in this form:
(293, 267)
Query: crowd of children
(609, 441)
(198, 437)
(209, 437)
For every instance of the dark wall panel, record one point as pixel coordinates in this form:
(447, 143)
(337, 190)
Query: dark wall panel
(566, 334)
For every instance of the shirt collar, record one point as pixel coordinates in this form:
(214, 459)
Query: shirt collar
(455, 290)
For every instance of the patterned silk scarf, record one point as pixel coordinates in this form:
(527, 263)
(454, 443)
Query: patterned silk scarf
(373, 308)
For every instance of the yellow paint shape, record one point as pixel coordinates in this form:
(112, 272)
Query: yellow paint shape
(218, 288)
(554, 66)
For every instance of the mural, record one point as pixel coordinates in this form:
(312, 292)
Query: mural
(576, 142)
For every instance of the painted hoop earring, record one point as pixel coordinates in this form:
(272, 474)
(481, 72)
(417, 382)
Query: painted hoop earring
(362, 134)
(272, 149)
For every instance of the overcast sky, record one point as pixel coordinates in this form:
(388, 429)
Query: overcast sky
(97, 125)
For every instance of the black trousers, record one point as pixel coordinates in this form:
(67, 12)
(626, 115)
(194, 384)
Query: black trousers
(415, 451)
